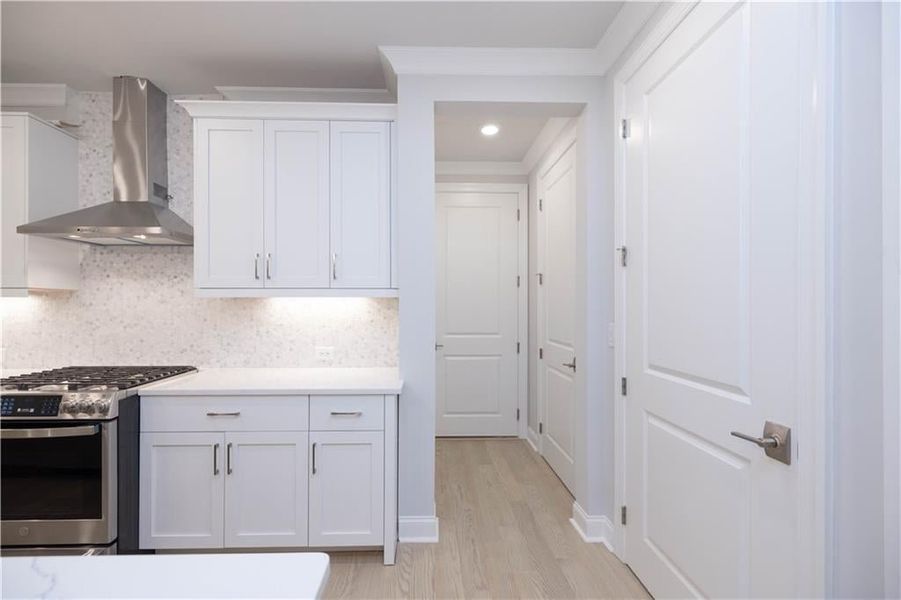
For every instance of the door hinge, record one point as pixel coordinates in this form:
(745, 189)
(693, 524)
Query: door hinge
(517, 347)
(626, 130)
(541, 353)
(517, 214)
(517, 281)
(540, 278)
(541, 428)
(517, 414)
(622, 517)
(624, 255)
(624, 385)
(540, 204)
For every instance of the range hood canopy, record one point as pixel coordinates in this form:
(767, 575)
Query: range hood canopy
(139, 213)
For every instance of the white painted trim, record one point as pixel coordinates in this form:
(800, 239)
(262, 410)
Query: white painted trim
(332, 111)
(34, 94)
(302, 94)
(625, 26)
(418, 530)
(28, 115)
(816, 251)
(414, 60)
(449, 167)
(522, 254)
(594, 529)
(891, 303)
(295, 292)
(543, 141)
(532, 438)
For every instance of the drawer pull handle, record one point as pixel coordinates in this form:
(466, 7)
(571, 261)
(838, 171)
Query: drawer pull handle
(347, 413)
(224, 414)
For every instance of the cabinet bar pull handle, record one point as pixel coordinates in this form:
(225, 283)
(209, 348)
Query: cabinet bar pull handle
(215, 459)
(347, 413)
(224, 414)
(268, 266)
(334, 265)
(228, 458)
(314, 458)
(256, 266)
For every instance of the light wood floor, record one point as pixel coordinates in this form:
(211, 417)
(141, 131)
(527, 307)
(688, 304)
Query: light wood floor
(504, 533)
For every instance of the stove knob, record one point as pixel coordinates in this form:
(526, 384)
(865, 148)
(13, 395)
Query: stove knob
(101, 407)
(69, 407)
(85, 406)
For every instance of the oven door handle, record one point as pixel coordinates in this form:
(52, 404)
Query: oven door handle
(48, 432)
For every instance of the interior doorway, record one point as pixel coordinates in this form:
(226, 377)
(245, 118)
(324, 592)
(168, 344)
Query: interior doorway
(506, 193)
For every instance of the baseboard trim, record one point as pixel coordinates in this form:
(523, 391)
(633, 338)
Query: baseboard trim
(532, 438)
(593, 529)
(417, 530)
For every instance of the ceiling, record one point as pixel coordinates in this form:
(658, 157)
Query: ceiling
(458, 135)
(190, 47)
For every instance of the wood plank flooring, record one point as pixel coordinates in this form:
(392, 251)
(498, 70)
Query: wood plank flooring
(504, 533)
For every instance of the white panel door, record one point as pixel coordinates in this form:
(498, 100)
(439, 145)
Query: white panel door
(228, 202)
(361, 205)
(477, 313)
(182, 490)
(12, 131)
(297, 204)
(714, 302)
(556, 314)
(347, 488)
(265, 489)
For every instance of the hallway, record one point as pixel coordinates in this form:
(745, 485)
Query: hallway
(505, 533)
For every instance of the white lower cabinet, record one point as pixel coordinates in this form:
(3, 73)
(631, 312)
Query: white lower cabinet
(265, 489)
(182, 492)
(347, 488)
(217, 472)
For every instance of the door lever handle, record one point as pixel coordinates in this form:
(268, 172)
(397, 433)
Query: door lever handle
(765, 442)
(571, 365)
(776, 441)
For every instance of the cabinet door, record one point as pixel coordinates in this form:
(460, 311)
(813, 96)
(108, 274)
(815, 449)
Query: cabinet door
(297, 204)
(182, 490)
(228, 203)
(12, 130)
(266, 489)
(360, 206)
(347, 488)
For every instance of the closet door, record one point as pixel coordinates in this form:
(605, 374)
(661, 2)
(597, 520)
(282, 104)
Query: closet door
(228, 200)
(297, 204)
(360, 205)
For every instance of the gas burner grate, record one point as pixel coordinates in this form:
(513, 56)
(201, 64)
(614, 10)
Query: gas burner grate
(76, 378)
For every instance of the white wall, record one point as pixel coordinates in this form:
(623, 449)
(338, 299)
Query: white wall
(857, 540)
(416, 212)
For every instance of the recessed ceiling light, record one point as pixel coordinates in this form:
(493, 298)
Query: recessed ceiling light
(74, 237)
(140, 236)
(490, 129)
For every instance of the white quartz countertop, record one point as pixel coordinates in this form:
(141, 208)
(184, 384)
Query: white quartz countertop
(235, 382)
(275, 575)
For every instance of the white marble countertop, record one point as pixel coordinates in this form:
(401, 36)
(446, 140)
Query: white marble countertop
(270, 575)
(283, 381)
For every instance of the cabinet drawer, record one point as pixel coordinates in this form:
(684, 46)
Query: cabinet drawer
(225, 413)
(342, 413)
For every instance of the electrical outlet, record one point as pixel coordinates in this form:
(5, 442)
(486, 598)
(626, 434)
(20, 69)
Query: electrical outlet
(325, 354)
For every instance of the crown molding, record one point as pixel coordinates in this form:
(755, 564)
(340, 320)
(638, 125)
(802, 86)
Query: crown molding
(543, 141)
(334, 111)
(456, 167)
(298, 94)
(426, 60)
(34, 94)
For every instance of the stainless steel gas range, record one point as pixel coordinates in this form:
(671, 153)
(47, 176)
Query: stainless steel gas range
(69, 456)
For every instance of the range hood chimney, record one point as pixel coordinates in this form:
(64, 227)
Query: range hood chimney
(139, 213)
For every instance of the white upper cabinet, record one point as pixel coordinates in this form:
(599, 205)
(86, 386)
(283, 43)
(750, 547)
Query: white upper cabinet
(297, 204)
(228, 203)
(361, 205)
(292, 207)
(39, 180)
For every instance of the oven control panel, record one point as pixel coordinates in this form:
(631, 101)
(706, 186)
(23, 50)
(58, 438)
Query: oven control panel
(30, 406)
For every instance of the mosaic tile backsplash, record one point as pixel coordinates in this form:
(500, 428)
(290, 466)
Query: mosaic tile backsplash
(137, 305)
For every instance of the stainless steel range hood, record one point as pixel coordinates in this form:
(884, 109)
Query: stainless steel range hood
(139, 213)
